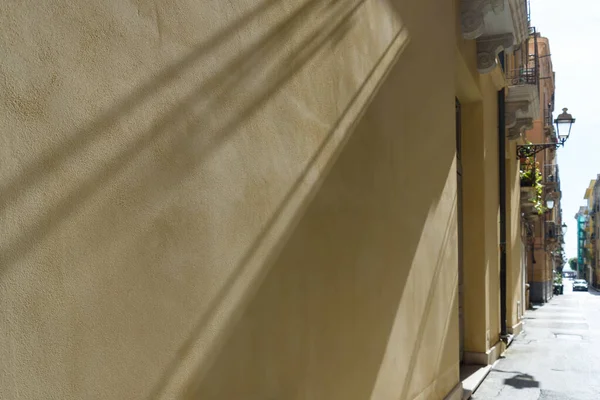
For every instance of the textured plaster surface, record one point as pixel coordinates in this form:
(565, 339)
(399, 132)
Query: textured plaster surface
(515, 265)
(475, 265)
(492, 209)
(480, 218)
(181, 217)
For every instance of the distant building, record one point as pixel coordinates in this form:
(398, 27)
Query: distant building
(581, 217)
(587, 260)
(541, 220)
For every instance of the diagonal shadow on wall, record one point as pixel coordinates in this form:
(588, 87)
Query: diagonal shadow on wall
(193, 115)
(450, 228)
(359, 276)
(203, 322)
(319, 324)
(49, 162)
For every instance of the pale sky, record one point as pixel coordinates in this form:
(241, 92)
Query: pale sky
(572, 28)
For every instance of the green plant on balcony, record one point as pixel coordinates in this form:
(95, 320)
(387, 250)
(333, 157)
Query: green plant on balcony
(531, 176)
(539, 203)
(527, 171)
(527, 177)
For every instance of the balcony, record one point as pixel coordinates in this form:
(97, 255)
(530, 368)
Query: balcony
(522, 96)
(527, 196)
(497, 25)
(500, 25)
(548, 121)
(552, 139)
(522, 76)
(522, 100)
(551, 232)
(529, 174)
(551, 177)
(527, 202)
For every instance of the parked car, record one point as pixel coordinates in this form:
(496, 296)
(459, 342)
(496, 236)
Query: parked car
(580, 285)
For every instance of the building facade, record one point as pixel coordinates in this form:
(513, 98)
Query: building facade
(540, 180)
(587, 264)
(292, 200)
(582, 257)
(594, 234)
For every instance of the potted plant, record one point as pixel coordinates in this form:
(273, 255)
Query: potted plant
(558, 284)
(538, 201)
(527, 177)
(522, 153)
(532, 190)
(527, 174)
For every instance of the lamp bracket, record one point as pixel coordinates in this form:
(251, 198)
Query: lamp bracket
(527, 150)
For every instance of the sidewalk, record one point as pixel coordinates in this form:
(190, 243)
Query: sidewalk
(557, 356)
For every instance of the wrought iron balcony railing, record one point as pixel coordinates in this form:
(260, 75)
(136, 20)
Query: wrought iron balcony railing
(522, 76)
(551, 175)
(548, 119)
(551, 231)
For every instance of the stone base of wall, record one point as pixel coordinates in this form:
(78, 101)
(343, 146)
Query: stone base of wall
(516, 329)
(540, 292)
(456, 393)
(487, 358)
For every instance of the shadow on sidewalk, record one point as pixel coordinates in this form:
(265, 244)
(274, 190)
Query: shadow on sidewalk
(522, 381)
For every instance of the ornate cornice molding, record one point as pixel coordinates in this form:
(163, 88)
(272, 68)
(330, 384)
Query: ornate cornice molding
(488, 49)
(519, 127)
(473, 13)
(512, 109)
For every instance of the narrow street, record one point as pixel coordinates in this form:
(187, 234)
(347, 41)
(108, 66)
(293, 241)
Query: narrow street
(557, 356)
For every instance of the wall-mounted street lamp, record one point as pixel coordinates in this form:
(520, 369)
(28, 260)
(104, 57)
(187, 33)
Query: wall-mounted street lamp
(549, 203)
(564, 228)
(564, 122)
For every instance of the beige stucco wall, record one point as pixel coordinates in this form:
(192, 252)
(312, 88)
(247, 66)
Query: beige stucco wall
(492, 207)
(481, 216)
(475, 267)
(165, 231)
(515, 303)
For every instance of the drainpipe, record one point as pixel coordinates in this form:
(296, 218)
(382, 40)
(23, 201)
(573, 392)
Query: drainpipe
(502, 191)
